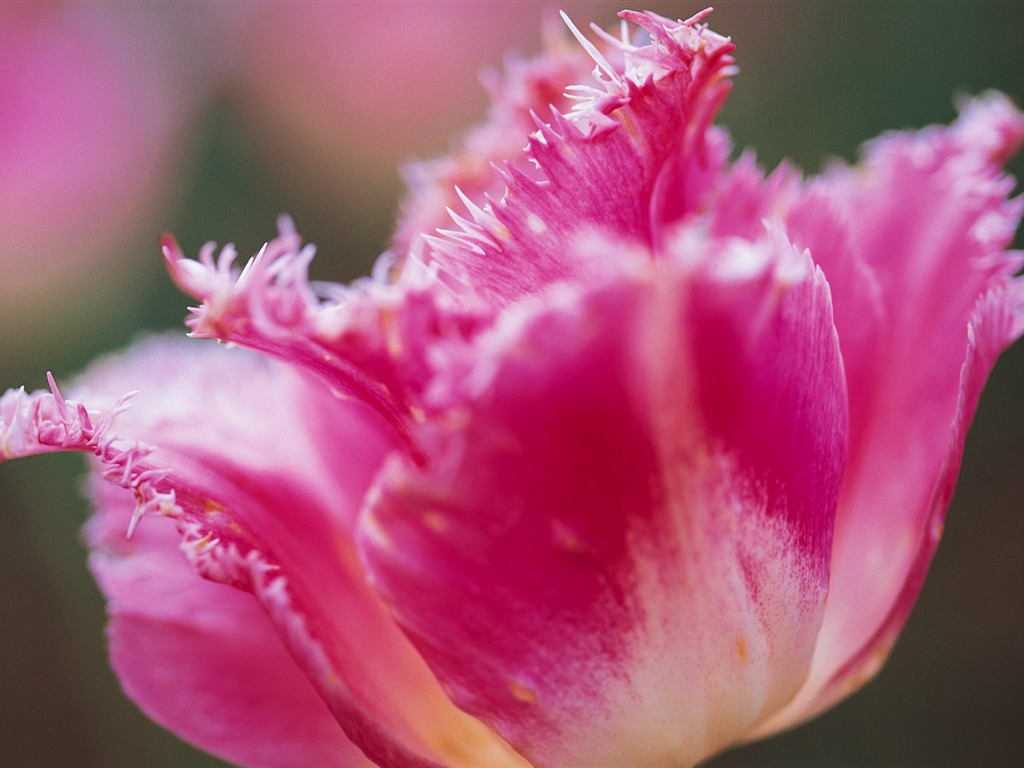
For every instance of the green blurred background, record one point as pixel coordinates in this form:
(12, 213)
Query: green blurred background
(817, 79)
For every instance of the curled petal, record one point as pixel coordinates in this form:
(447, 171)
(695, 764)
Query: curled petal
(262, 473)
(615, 556)
(632, 157)
(439, 187)
(201, 658)
(914, 241)
(370, 342)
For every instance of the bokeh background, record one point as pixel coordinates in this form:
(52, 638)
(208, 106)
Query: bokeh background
(118, 121)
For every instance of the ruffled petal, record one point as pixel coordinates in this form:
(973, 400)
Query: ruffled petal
(262, 474)
(371, 341)
(633, 156)
(914, 242)
(200, 658)
(619, 552)
(436, 188)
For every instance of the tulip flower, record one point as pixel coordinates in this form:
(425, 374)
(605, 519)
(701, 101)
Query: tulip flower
(90, 124)
(643, 455)
(317, 62)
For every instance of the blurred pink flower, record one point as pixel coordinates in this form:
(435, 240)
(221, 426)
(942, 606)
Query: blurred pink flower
(319, 64)
(644, 455)
(338, 96)
(88, 125)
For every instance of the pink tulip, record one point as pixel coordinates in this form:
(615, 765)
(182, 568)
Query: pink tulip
(88, 124)
(644, 455)
(336, 97)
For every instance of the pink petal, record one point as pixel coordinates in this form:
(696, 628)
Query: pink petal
(370, 341)
(914, 244)
(618, 554)
(200, 658)
(263, 474)
(528, 87)
(633, 156)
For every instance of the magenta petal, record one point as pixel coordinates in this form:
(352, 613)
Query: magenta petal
(262, 474)
(634, 155)
(998, 316)
(618, 555)
(200, 658)
(270, 306)
(528, 87)
(914, 242)
(370, 341)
